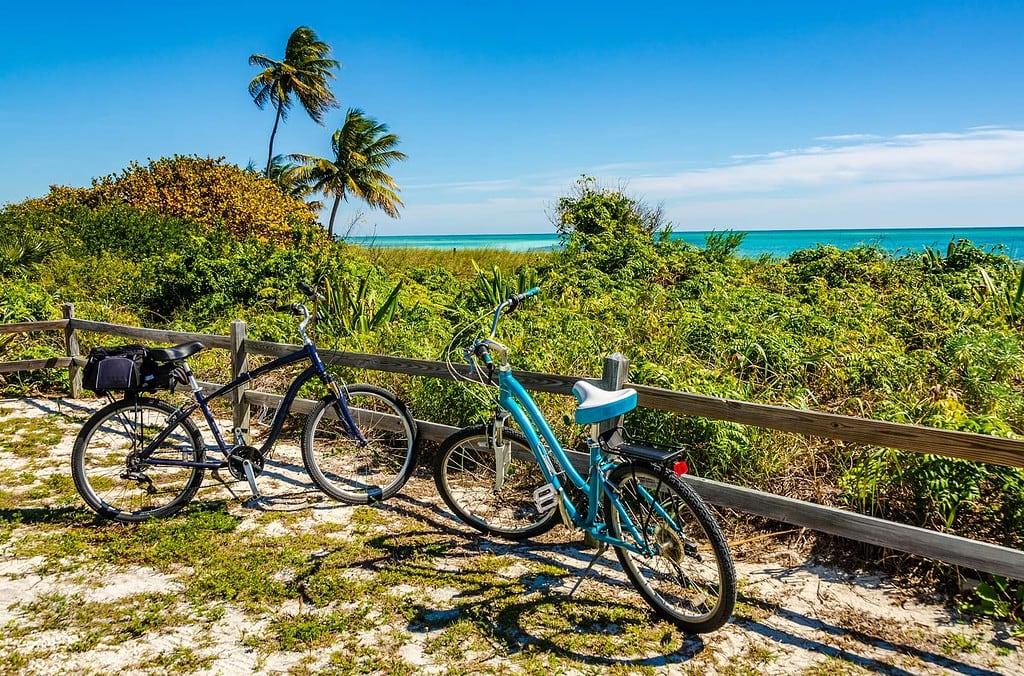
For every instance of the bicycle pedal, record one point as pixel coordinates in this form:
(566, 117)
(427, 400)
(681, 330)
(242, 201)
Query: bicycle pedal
(546, 498)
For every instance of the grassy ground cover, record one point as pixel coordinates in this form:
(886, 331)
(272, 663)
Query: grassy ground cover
(297, 584)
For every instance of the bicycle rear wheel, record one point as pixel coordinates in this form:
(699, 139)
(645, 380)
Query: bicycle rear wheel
(345, 468)
(688, 575)
(467, 477)
(115, 481)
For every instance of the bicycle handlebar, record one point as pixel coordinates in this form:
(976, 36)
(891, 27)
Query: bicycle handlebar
(515, 299)
(512, 302)
(310, 292)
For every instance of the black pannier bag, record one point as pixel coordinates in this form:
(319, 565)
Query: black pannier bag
(162, 376)
(114, 368)
(128, 368)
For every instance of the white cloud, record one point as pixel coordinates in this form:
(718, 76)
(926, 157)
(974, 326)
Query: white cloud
(974, 177)
(976, 153)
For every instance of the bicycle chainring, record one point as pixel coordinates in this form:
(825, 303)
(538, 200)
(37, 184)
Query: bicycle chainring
(239, 455)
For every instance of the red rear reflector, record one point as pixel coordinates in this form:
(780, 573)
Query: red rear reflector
(680, 468)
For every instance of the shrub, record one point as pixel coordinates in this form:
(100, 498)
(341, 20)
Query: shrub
(196, 190)
(608, 231)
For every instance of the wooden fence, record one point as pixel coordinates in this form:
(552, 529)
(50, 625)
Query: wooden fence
(949, 549)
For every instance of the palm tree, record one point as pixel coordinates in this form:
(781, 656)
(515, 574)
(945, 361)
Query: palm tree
(293, 183)
(362, 150)
(304, 72)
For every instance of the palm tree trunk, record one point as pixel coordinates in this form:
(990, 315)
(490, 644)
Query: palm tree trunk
(273, 133)
(334, 212)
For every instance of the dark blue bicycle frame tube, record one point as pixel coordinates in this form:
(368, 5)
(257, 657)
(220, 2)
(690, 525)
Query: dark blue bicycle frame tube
(316, 368)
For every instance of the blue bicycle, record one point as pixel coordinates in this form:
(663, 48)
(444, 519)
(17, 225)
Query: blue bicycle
(518, 484)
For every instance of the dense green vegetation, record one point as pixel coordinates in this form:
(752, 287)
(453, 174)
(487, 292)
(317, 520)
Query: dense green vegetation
(931, 338)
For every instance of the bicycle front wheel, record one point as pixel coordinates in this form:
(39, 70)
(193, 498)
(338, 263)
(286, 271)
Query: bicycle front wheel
(116, 481)
(492, 489)
(344, 467)
(686, 572)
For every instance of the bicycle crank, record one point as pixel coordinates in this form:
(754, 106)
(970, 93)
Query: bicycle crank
(238, 458)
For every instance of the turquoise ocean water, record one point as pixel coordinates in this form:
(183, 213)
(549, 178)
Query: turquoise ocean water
(778, 243)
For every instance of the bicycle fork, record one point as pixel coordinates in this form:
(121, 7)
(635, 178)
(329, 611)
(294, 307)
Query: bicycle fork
(545, 497)
(342, 411)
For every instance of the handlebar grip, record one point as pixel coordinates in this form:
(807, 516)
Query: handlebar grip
(517, 298)
(307, 289)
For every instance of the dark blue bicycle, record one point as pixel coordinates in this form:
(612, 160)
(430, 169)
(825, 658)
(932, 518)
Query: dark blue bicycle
(518, 484)
(141, 457)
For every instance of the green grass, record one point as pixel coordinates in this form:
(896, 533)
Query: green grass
(28, 438)
(459, 263)
(326, 598)
(94, 623)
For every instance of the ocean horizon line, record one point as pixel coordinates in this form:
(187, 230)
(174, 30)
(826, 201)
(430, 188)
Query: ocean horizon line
(775, 242)
(706, 230)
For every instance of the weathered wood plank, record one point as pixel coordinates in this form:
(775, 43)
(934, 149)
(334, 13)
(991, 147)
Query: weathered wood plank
(35, 364)
(72, 348)
(154, 335)
(542, 382)
(426, 430)
(950, 549)
(977, 447)
(239, 365)
(25, 327)
(965, 445)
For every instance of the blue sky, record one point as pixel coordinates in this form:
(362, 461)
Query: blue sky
(742, 115)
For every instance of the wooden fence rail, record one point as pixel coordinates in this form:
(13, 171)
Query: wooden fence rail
(910, 539)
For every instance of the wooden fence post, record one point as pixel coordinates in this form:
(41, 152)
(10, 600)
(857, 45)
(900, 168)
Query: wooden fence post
(239, 365)
(614, 376)
(71, 346)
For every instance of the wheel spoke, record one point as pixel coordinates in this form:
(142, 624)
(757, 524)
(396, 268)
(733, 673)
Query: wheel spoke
(357, 471)
(121, 486)
(686, 574)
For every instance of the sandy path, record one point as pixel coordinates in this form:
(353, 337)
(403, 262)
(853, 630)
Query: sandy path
(795, 616)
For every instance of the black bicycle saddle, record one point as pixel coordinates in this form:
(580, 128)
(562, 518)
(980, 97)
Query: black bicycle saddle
(177, 352)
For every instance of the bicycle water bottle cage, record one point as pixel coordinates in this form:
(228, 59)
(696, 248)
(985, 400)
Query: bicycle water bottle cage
(597, 404)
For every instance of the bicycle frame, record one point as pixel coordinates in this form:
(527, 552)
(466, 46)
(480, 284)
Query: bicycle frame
(514, 399)
(307, 352)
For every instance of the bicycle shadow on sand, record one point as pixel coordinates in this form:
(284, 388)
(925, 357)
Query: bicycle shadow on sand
(513, 608)
(524, 611)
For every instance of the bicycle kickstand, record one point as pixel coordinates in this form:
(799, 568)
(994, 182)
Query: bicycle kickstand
(601, 549)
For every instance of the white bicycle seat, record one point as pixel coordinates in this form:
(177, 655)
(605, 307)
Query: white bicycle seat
(597, 404)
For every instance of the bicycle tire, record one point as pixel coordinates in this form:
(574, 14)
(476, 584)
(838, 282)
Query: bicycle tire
(119, 488)
(690, 580)
(346, 470)
(465, 473)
